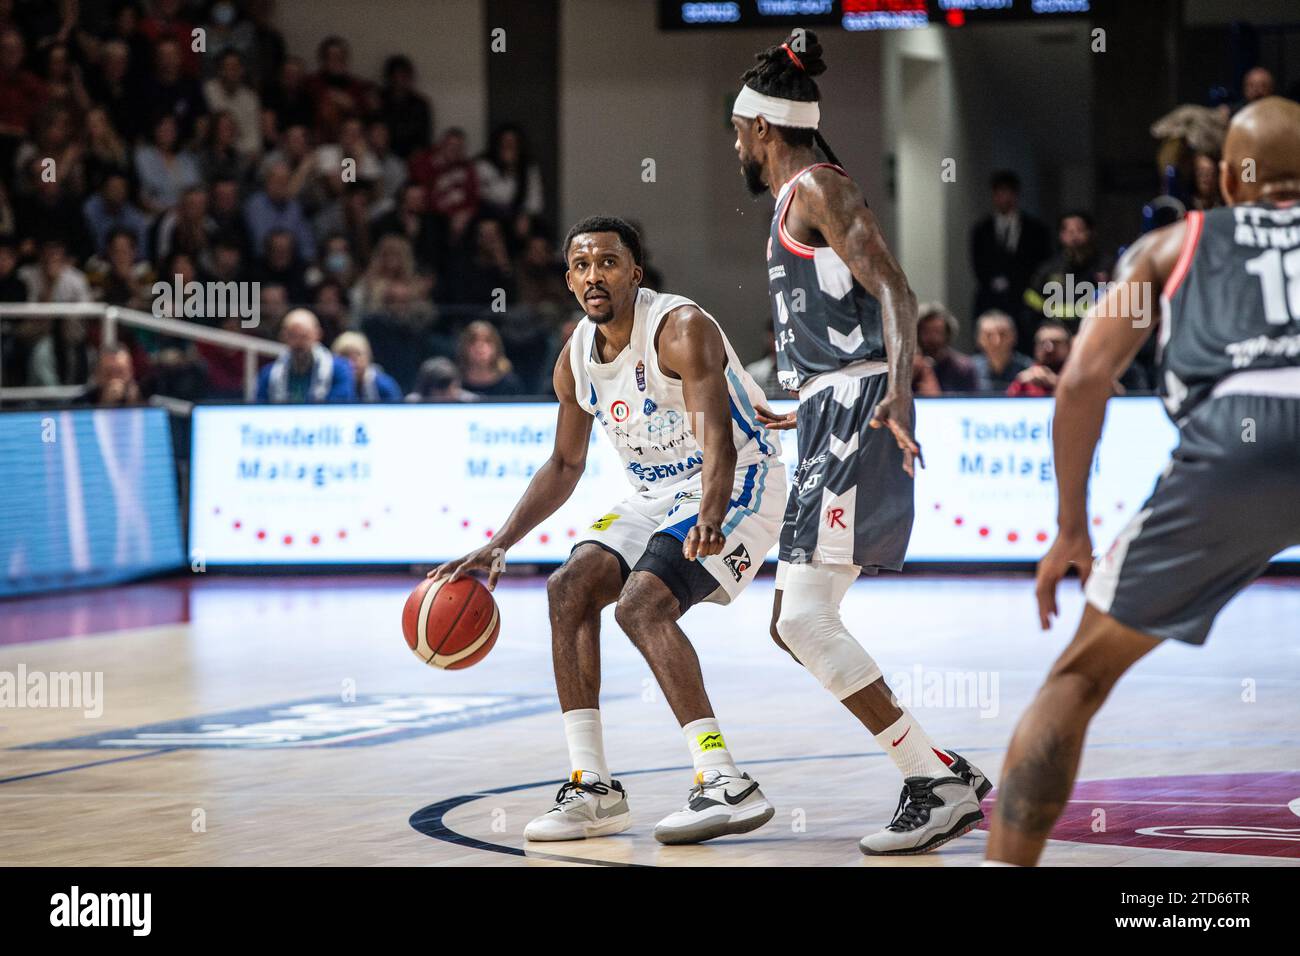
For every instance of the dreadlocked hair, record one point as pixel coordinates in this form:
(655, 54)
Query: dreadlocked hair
(788, 71)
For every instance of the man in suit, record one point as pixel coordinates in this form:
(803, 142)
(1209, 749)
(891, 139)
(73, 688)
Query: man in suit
(1007, 247)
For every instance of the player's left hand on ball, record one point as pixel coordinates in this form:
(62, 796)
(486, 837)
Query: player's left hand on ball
(704, 539)
(895, 413)
(1066, 550)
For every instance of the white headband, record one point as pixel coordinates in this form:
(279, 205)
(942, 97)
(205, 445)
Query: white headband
(751, 103)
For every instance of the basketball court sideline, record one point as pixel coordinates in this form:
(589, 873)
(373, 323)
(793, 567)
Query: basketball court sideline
(278, 720)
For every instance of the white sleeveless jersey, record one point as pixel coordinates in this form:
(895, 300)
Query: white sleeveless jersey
(642, 409)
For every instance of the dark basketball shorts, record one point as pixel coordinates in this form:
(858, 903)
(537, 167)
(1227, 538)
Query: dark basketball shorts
(1226, 504)
(850, 501)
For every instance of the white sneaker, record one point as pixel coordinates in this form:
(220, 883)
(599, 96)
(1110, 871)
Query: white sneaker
(585, 806)
(719, 804)
(931, 811)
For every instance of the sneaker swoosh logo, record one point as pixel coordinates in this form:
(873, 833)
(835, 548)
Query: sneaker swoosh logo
(733, 800)
(895, 743)
(603, 812)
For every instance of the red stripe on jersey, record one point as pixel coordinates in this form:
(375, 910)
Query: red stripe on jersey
(803, 250)
(1195, 223)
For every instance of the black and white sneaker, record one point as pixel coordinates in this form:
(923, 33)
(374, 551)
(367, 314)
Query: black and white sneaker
(931, 811)
(718, 804)
(585, 806)
(971, 774)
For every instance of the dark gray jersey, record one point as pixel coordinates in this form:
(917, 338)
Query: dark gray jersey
(1232, 302)
(823, 318)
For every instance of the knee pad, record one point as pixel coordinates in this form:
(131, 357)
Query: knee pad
(811, 628)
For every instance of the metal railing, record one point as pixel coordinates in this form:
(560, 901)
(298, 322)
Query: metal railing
(115, 315)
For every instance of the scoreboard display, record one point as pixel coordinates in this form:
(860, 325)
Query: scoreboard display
(861, 14)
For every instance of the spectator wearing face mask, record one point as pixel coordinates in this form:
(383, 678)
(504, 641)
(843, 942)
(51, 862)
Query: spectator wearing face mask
(1051, 349)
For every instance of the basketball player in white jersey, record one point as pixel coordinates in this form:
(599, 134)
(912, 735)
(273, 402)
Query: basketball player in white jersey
(845, 324)
(707, 491)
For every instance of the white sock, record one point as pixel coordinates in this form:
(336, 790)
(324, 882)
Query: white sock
(586, 743)
(708, 749)
(911, 748)
(997, 863)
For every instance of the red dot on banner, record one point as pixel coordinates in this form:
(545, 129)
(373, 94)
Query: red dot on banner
(956, 18)
(488, 532)
(315, 539)
(465, 523)
(543, 537)
(237, 524)
(261, 536)
(959, 521)
(288, 539)
(1097, 520)
(984, 532)
(342, 534)
(1040, 537)
(1013, 537)
(572, 533)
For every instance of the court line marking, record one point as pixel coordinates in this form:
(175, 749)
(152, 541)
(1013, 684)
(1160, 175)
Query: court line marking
(83, 766)
(430, 821)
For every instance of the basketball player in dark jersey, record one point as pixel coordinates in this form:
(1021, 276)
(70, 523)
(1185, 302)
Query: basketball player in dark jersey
(1229, 349)
(845, 322)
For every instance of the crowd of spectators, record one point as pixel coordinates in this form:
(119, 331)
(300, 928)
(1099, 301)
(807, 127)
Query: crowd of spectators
(182, 141)
(177, 138)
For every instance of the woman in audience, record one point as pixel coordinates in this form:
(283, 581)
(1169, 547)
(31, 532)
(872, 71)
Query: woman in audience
(509, 182)
(165, 170)
(373, 383)
(484, 368)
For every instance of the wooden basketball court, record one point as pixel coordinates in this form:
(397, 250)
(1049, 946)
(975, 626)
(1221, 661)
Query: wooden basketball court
(265, 720)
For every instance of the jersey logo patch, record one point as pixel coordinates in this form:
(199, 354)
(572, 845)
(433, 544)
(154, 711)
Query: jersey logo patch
(602, 523)
(737, 562)
(649, 406)
(620, 411)
(640, 376)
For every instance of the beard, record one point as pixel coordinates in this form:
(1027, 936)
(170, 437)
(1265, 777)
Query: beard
(753, 173)
(600, 314)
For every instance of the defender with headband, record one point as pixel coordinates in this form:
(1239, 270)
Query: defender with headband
(845, 325)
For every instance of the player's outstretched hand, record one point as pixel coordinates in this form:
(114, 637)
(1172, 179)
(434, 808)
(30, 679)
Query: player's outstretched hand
(489, 558)
(1066, 550)
(704, 538)
(770, 419)
(895, 413)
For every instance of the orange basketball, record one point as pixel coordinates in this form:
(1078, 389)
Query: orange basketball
(450, 625)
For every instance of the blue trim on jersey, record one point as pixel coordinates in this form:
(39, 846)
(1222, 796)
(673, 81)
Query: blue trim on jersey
(681, 528)
(593, 393)
(740, 504)
(748, 421)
